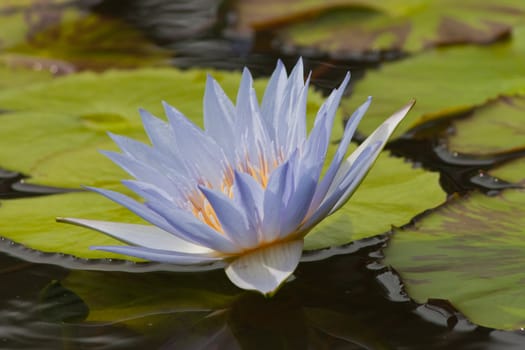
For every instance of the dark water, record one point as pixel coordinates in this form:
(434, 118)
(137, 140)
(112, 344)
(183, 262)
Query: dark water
(348, 300)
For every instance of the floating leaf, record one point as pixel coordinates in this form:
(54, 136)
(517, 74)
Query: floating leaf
(444, 82)
(362, 27)
(31, 221)
(471, 252)
(14, 75)
(496, 127)
(513, 171)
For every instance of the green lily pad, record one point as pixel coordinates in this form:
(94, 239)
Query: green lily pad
(444, 82)
(496, 127)
(513, 171)
(360, 28)
(31, 222)
(15, 74)
(470, 252)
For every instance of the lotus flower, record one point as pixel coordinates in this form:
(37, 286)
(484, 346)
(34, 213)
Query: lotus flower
(247, 188)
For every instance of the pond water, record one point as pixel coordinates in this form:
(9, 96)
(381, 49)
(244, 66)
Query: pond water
(344, 298)
(347, 301)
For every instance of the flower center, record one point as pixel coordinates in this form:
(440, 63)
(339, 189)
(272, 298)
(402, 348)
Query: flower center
(260, 171)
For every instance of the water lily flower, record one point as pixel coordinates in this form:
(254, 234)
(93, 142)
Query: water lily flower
(246, 189)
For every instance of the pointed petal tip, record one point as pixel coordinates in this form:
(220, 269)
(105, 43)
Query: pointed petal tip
(396, 118)
(410, 103)
(165, 104)
(299, 62)
(168, 108)
(144, 113)
(72, 221)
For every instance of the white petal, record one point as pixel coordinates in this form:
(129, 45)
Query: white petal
(159, 255)
(272, 99)
(265, 269)
(218, 114)
(140, 235)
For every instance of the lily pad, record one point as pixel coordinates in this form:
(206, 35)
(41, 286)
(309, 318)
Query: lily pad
(445, 82)
(361, 28)
(13, 75)
(496, 127)
(31, 222)
(470, 252)
(513, 171)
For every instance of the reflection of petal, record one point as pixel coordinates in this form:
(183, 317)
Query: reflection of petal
(265, 269)
(209, 332)
(141, 235)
